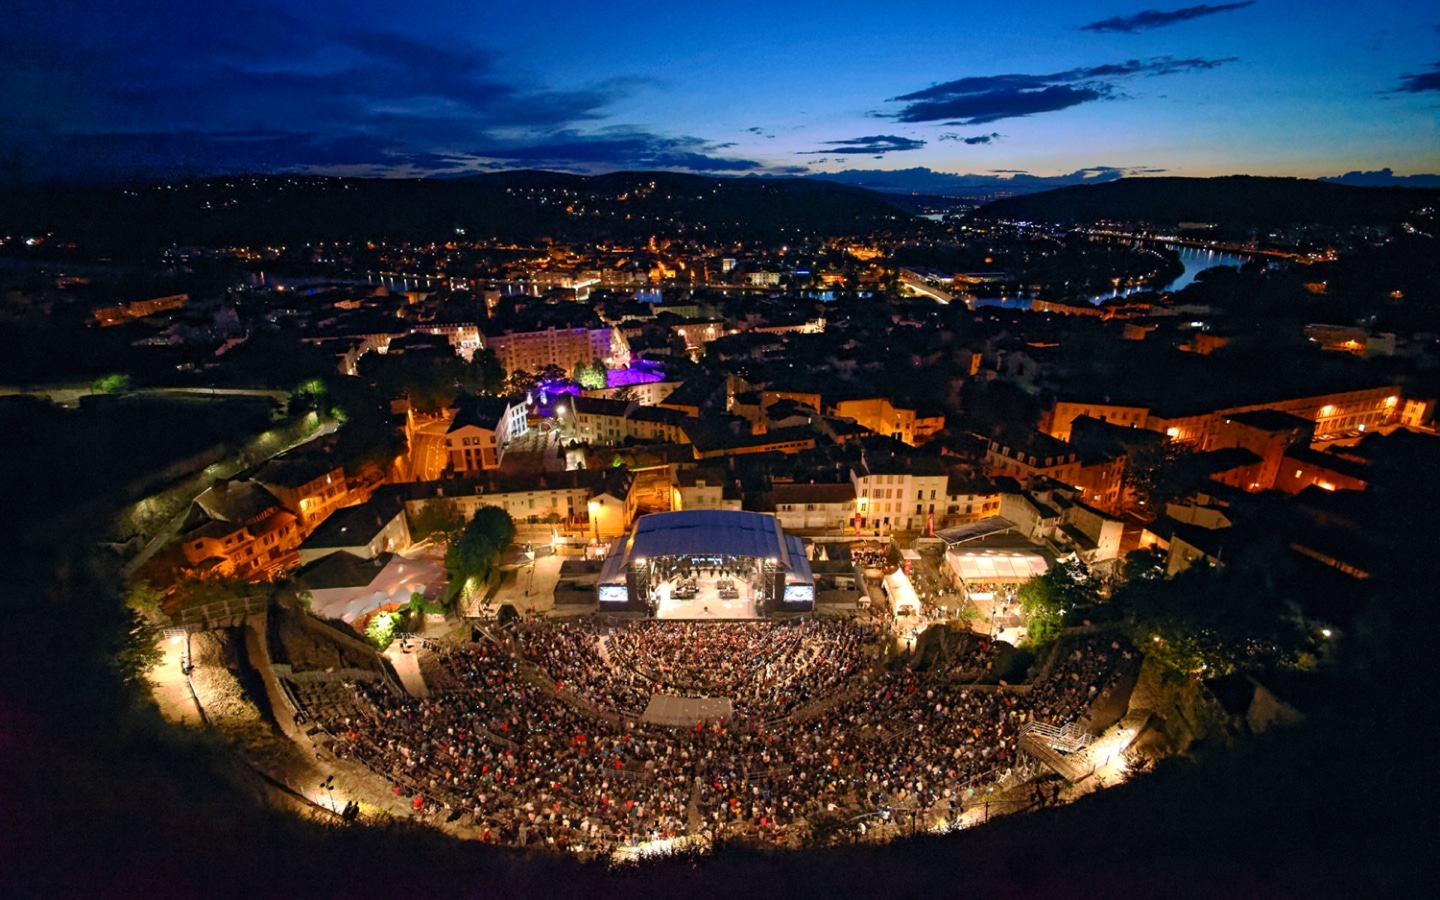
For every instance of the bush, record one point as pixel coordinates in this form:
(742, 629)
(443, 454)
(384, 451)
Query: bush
(381, 630)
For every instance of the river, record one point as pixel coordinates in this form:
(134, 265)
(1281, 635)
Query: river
(1194, 259)
(1197, 260)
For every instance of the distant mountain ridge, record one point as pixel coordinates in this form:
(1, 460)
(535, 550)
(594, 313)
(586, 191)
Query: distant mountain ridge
(921, 180)
(1232, 202)
(519, 204)
(1385, 178)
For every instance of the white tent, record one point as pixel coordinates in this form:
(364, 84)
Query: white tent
(902, 594)
(392, 585)
(995, 566)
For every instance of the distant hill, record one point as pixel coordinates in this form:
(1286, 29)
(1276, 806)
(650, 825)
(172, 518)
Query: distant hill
(1385, 178)
(519, 205)
(921, 180)
(1233, 203)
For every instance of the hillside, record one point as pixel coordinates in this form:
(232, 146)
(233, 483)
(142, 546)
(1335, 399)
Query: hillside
(521, 205)
(1232, 203)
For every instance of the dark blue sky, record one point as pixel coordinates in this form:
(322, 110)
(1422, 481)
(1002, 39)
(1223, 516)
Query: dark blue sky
(1263, 87)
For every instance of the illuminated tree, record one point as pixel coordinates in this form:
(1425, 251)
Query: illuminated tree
(381, 630)
(473, 556)
(1045, 599)
(145, 599)
(141, 650)
(308, 396)
(112, 384)
(592, 376)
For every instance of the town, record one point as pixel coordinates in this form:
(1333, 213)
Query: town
(838, 531)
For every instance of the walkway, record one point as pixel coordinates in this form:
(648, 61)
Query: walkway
(406, 662)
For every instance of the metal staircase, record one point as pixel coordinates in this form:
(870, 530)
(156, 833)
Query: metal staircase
(1062, 749)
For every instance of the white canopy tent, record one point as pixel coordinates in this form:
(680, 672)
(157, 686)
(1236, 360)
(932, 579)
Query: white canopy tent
(902, 594)
(995, 566)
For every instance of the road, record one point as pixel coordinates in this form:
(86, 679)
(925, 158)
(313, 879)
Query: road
(427, 455)
(223, 469)
(69, 395)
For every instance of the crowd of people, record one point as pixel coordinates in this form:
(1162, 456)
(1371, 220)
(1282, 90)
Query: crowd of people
(529, 768)
(871, 556)
(1088, 671)
(766, 668)
(1000, 592)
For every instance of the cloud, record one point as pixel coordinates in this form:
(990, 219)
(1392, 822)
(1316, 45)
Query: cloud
(1155, 18)
(972, 140)
(1424, 81)
(617, 148)
(875, 143)
(982, 99)
(759, 132)
(252, 87)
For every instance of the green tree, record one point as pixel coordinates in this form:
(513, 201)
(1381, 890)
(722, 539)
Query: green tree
(439, 518)
(308, 396)
(1212, 621)
(369, 433)
(1046, 599)
(550, 374)
(1144, 565)
(141, 651)
(473, 556)
(592, 376)
(146, 599)
(483, 374)
(112, 384)
(519, 381)
(381, 630)
(420, 605)
(195, 592)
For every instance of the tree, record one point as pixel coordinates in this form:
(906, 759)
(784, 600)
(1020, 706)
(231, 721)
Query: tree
(141, 651)
(191, 593)
(112, 384)
(369, 433)
(420, 605)
(1046, 599)
(472, 557)
(1144, 565)
(519, 381)
(551, 374)
(381, 630)
(439, 518)
(1158, 473)
(146, 599)
(308, 396)
(1212, 621)
(484, 374)
(592, 376)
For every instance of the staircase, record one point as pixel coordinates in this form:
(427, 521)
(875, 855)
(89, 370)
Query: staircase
(1059, 749)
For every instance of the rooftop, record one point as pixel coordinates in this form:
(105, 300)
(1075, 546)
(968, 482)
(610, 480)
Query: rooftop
(353, 526)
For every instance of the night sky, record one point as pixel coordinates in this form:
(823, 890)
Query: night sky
(99, 88)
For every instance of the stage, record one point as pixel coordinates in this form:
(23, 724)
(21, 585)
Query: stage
(701, 597)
